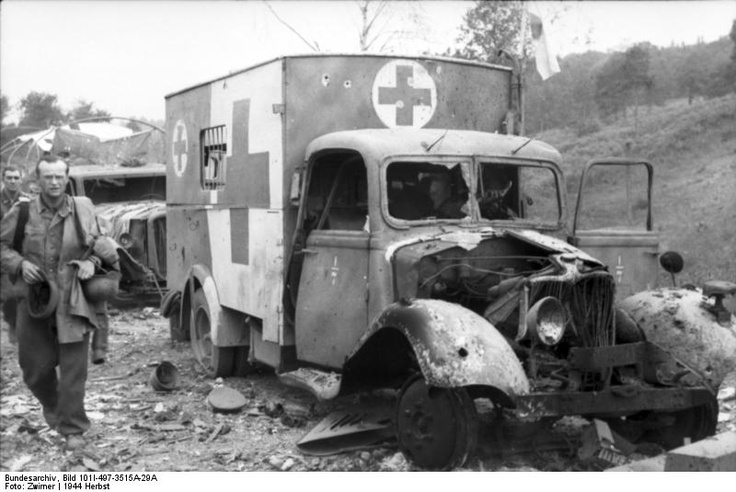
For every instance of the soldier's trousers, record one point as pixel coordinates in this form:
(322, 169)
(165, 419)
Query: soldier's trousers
(39, 353)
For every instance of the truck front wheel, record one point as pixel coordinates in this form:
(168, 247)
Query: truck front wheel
(437, 428)
(219, 361)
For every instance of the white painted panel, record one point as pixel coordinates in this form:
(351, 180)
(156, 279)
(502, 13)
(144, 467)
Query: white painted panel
(263, 86)
(255, 288)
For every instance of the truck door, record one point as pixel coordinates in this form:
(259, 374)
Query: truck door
(332, 300)
(613, 221)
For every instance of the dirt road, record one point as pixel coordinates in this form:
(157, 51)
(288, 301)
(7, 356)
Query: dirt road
(138, 429)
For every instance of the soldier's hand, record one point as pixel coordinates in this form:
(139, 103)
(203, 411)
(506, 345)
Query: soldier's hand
(31, 273)
(86, 269)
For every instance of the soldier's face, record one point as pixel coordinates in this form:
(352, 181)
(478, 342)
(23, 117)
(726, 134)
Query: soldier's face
(11, 180)
(52, 177)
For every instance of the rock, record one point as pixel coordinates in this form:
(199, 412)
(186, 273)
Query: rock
(365, 456)
(286, 466)
(726, 393)
(396, 462)
(276, 462)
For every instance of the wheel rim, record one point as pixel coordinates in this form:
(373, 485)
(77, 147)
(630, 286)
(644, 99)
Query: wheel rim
(436, 427)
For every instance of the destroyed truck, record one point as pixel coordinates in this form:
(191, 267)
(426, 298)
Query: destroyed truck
(360, 221)
(131, 206)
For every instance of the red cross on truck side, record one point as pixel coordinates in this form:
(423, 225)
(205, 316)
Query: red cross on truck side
(180, 147)
(404, 96)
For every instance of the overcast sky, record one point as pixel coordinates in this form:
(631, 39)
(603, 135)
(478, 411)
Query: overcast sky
(126, 56)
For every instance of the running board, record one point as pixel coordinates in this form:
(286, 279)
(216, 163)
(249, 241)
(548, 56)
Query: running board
(324, 385)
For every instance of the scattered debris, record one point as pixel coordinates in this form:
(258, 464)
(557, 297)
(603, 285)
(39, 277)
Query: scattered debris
(165, 377)
(348, 431)
(727, 393)
(603, 447)
(226, 400)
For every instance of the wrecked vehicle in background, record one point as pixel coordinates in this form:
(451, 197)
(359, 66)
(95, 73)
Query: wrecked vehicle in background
(307, 231)
(131, 206)
(118, 164)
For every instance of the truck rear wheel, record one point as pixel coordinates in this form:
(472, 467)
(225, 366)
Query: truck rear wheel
(219, 361)
(437, 428)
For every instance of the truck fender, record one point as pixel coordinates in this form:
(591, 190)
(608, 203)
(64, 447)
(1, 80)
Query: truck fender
(200, 277)
(679, 321)
(453, 346)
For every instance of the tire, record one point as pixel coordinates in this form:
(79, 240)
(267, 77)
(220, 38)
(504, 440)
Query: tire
(218, 361)
(695, 424)
(437, 428)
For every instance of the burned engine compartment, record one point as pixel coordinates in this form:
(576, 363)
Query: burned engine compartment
(506, 280)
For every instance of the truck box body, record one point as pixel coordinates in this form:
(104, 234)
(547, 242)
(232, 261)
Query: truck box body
(237, 141)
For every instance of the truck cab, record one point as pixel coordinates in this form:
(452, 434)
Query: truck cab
(362, 221)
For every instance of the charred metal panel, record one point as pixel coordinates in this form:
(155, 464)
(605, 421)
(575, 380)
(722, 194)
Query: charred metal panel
(616, 400)
(678, 320)
(331, 312)
(453, 346)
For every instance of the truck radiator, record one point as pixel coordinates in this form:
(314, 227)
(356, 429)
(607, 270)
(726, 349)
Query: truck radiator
(588, 302)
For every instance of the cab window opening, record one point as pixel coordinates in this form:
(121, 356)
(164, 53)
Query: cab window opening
(337, 197)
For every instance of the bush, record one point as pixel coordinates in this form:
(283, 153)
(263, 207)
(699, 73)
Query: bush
(588, 126)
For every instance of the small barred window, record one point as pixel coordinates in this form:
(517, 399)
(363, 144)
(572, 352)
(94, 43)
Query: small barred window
(214, 151)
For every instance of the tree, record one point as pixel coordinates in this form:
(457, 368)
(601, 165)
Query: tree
(610, 86)
(41, 110)
(723, 79)
(637, 80)
(385, 24)
(4, 108)
(85, 109)
(493, 27)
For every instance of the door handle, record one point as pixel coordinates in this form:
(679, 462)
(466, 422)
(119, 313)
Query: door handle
(309, 252)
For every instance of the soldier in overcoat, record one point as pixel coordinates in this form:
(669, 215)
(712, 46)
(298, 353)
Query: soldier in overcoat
(52, 251)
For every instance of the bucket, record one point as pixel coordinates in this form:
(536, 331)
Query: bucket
(165, 377)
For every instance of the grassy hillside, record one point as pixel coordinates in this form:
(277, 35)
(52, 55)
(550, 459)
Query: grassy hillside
(693, 151)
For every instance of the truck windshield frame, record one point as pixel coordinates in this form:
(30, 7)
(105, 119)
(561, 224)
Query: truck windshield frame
(518, 193)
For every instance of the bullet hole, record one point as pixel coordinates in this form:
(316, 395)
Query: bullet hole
(347, 84)
(326, 80)
(462, 352)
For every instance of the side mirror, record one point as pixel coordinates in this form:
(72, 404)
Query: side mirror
(672, 262)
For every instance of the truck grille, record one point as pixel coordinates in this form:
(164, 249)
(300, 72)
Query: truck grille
(588, 301)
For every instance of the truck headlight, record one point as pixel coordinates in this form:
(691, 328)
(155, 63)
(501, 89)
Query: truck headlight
(546, 321)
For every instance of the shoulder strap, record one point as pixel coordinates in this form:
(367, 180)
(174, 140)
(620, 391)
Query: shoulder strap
(20, 225)
(80, 230)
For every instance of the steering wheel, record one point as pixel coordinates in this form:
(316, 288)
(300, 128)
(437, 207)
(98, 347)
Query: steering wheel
(492, 207)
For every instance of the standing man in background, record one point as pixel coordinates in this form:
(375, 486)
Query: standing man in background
(9, 195)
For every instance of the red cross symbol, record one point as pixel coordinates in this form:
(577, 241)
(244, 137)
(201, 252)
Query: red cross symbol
(180, 149)
(404, 96)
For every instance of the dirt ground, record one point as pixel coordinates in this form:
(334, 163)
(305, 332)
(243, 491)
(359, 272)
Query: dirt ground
(135, 428)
